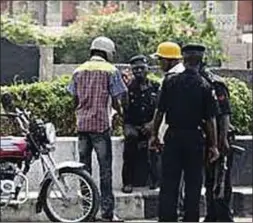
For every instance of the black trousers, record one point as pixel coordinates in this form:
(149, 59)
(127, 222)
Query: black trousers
(139, 164)
(183, 152)
(223, 213)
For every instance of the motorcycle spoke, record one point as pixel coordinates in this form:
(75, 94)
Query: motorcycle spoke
(87, 200)
(79, 198)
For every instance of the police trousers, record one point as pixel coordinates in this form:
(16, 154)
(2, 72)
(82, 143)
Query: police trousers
(223, 213)
(102, 144)
(139, 163)
(183, 152)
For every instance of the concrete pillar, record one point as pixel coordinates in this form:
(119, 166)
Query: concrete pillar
(46, 63)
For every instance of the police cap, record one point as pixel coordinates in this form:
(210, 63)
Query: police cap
(139, 59)
(196, 49)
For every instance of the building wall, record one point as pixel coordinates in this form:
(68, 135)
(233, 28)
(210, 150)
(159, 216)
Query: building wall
(4, 5)
(244, 12)
(69, 12)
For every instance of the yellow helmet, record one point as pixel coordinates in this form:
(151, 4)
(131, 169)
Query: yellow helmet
(169, 50)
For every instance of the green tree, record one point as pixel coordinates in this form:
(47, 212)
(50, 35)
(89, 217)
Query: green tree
(135, 33)
(21, 29)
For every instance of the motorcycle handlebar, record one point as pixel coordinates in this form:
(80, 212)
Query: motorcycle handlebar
(10, 115)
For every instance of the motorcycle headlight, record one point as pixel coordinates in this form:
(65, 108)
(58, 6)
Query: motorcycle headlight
(50, 133)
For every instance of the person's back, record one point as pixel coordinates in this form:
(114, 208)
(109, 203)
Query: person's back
(93, 80)
(185, 100)
(94, 83)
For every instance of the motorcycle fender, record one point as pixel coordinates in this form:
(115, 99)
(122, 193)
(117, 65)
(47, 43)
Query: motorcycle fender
(47, 177)
(70, 164)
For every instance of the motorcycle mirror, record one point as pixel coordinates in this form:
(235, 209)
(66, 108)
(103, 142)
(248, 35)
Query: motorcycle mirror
(7, 102)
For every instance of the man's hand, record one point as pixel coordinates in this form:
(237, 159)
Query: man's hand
(146, 128)
(154, 143)
(213, 154)
(223, 146)
(130, 131)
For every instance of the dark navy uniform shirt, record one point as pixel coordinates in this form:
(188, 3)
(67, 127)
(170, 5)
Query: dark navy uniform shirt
(142, 103)
(222, 95)
(187, 98)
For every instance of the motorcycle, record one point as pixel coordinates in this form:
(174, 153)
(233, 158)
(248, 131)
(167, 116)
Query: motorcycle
(62, 199)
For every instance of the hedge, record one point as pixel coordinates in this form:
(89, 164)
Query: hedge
(51, 101)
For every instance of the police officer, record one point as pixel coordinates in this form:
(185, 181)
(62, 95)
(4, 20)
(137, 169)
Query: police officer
(186, 99)
(223, 123)
(142, 103)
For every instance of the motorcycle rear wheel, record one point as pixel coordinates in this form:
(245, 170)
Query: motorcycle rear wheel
(83, 175)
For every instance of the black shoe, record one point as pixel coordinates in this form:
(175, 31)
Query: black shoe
(226, 220)
(209, 219)
(127, 189)
(113, 219)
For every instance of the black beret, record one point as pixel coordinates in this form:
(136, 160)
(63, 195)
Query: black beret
(138, 58)
(196, 48)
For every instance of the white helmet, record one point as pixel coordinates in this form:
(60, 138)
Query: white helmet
(104, 44)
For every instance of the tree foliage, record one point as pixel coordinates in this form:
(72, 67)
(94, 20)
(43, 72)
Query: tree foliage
(21, 29)
(134, 34)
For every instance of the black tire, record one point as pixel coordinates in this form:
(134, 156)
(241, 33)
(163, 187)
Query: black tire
(95, 194)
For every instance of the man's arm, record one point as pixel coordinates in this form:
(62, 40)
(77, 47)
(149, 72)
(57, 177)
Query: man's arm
(211, 132)
(72, 89)
(224, 120)
(118, 91)
(158, 118)
(210, 112)
(161, 109)
(223, 134)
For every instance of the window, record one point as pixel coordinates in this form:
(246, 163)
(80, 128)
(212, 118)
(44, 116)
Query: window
(225, 7)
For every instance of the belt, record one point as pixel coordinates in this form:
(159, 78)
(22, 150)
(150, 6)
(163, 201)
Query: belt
(174, 128)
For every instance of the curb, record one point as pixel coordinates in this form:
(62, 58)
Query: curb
(141, 204)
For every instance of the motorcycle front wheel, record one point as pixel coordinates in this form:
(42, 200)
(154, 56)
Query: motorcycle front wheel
(82, 201)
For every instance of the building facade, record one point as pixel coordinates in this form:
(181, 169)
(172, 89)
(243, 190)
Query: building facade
(229, 15)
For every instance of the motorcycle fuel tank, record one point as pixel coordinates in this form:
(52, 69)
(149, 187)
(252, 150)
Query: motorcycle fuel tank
(13, 148)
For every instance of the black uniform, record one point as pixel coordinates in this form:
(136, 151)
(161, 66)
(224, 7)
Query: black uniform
(138, 164)
(224, 213)
(186, 99)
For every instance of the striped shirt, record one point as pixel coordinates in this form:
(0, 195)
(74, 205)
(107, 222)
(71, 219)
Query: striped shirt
(94, 83)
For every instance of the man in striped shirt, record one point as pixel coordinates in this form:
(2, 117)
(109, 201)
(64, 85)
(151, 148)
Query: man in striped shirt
(97, 87)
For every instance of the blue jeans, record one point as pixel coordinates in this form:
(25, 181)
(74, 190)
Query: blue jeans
(102, 144)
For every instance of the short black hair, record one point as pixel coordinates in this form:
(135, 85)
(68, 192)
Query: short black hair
(99, 53)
